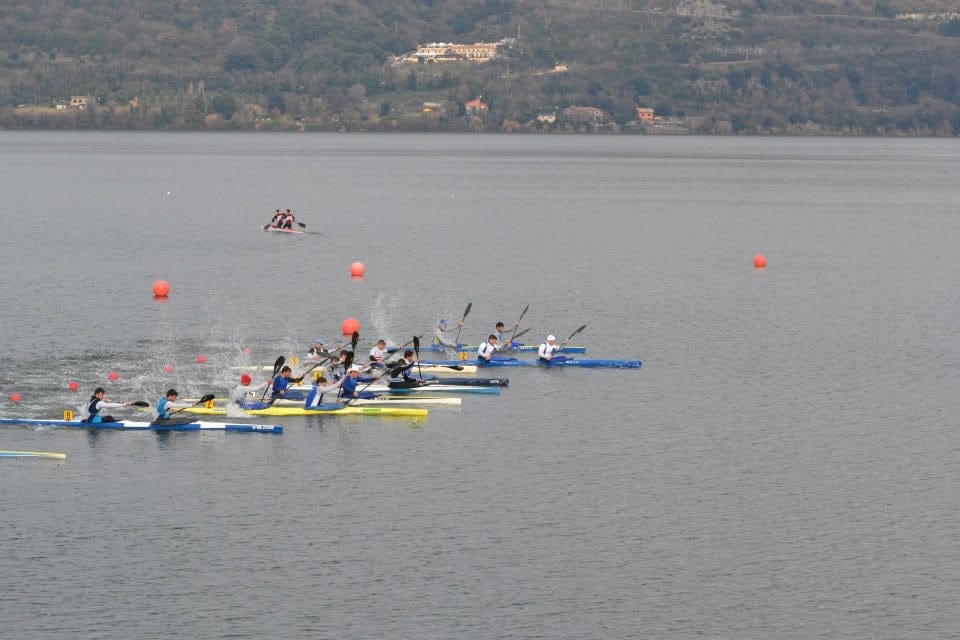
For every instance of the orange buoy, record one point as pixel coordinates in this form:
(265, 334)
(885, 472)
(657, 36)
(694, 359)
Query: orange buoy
(247, 351)
(161, 289)
(759, 261)
(74, 385)
(357, 269)
(114, 376)
(349, 326)
(15, 397)
(201, 359)
(168, 368)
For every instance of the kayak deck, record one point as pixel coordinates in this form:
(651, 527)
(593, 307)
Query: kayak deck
(588, 363)
(324, 410)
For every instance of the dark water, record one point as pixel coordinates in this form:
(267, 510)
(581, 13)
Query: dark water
(785, 465)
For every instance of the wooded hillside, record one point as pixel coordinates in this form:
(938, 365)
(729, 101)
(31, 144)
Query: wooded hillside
(714, 66)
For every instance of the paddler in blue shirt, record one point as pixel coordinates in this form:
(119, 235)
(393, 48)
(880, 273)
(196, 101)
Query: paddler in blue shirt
(440, 335)
(350, 381)
(167, 404)
(549, 348)
(97, 403)
(282, 382)
(315, 397)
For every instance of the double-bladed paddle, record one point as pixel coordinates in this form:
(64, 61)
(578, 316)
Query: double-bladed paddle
(276, 369)
(416, 347)
(574, 333)
(513, 335)
(466, 312)
(205, 399)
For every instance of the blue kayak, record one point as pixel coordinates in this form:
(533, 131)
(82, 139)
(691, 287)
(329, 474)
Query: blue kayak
(589, 363)
(128, 425)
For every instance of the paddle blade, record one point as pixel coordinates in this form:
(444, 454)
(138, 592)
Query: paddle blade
(302, 226)
(277, 365)
(266, 226)
(416, 345)
(354, 339)
(205, 399)
(140, 403)
(525, 309)
(466, 311)
(576, 332)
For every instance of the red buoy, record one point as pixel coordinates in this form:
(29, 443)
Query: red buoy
(201, 359)
(759, 261)
(114, 376)
(74, 385)
(161, 288)
(247, 350)
(168, 368)
(357, 269)
(349, 326)
(15, 397)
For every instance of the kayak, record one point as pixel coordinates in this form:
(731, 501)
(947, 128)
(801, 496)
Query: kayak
(330, 409)
(591, 363)
(471, 349)
(33, 454)
(128, 425)
(471, 382)
(278, 230)
(385, 401)
(456, 366)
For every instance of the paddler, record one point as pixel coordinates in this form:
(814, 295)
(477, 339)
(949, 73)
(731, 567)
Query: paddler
(288, 220)
(378, 353)
(440, 335)
(549, 348)
(277, 217)
(167, 405)
(349, 384)
(97, 403)
(401, 372)
(487, 349)
(283, 380)
(317, 351)
(315, 397)
(246, 386)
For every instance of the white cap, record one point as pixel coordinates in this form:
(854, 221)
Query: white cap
(356, 367)
(551, 337)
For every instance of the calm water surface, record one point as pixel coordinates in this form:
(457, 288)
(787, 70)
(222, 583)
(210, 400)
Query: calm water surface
(785, 465)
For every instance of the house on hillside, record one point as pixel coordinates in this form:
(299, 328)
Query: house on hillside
(81, 102)
(645, 114)
(584, 115)
(450, 52)
(476, 106)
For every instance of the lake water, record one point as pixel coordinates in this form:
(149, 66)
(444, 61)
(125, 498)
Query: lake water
(784, 465)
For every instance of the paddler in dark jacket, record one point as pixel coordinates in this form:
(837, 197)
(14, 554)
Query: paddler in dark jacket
(281, 382)
(97, 403)
(351, 380)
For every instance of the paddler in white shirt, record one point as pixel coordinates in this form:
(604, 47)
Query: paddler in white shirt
(315, 397)
(486, 350)
(549, 348)
(246, 386)
(378, 353)
(317, 351)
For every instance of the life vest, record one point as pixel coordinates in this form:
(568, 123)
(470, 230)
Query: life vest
(93, 413)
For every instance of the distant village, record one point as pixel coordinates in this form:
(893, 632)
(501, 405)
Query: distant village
(577, 118)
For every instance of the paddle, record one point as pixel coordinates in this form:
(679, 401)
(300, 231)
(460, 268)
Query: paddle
(574, 333)
(457, 341)
(140, 403)
(522, 333)
(205, 399)
(416, 348)
(276, 369)
(513, 335)
(302, 226)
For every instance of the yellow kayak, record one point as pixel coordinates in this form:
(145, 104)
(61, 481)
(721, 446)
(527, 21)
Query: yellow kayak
(33, 454)
(300, 411)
